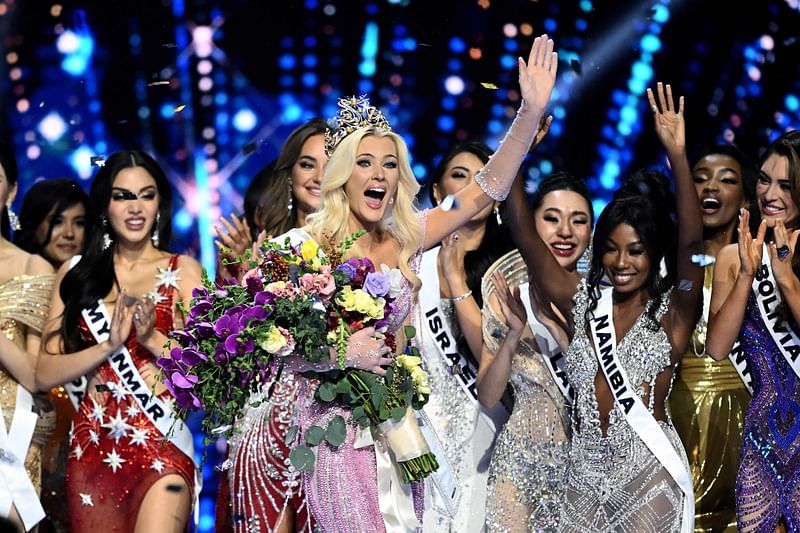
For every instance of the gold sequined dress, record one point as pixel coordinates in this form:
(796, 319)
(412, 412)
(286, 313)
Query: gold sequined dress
(24, 303)
(527, 473)
(708, 404)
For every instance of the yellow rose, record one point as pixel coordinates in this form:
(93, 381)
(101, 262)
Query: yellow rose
(347, 298)
(274, 341)
(275, 286)
(332, 337)
(408, 361)
(363, 301)
(309, 250)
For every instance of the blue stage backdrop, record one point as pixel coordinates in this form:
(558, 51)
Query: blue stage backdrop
(211, 88)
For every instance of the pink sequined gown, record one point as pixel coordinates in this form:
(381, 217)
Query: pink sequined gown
(342, 493)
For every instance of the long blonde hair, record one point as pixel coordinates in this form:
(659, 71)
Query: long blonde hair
(331, 222)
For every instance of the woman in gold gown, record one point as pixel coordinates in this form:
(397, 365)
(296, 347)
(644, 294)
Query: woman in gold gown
(709, 398)
(26, 283)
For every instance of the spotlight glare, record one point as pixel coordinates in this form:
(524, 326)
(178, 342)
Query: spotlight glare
(454, 85)
(52, 127)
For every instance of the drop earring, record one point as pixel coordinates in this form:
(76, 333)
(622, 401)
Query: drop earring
(13, 219)
(107, 241)
(497, 214)
(154, 237)
(290, 205)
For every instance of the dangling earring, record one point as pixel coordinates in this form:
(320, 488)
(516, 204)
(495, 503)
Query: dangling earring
(154, 237)
(13, 219)
(497, 214)
(391, 200)
(290, 205)
(107, 241)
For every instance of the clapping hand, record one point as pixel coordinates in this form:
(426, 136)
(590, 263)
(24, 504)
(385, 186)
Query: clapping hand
(510, 304)
(781, 252)
(750, 250)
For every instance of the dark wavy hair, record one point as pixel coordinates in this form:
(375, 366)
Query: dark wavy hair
(9, 162)
(646, 203)
(94, 276)
(45, 197)
(562, 181)
(788, 146)
(271, 213)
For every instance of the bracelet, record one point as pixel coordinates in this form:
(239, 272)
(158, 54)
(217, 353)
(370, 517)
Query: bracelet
(462, 297)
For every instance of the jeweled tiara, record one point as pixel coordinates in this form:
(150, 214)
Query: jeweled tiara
(354, 113)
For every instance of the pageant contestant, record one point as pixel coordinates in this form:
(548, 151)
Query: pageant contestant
(369, 185)
(756, 299)
(709, 398)
(110, 321)
(523, 346)
(627, 469)
(265, 492)
(448, 316)
(53, 225)
(26, 285)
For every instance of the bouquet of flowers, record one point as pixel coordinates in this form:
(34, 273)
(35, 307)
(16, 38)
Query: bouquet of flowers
(299, 301)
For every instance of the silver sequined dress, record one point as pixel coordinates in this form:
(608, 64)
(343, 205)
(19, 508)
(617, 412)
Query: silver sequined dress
(614, 482)
(529, 464)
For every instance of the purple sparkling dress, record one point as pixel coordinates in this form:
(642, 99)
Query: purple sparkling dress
(767, 485)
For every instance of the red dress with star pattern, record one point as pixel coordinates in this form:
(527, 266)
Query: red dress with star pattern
(116, 453)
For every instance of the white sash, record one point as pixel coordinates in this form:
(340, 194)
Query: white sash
(16, 487)
(77, 388)
(768, 298)
(548, 346)
(157, 411)
(433, 325)
(738, 359)
(636, 414)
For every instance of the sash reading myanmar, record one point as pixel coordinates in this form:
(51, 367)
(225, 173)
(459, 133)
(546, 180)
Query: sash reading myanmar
(769, 298)
(636, 414)
(158, 411)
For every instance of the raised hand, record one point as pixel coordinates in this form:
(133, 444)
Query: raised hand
(544, 129)
(510, 304)
(670, 126)
(121, 322)
(451, 259)
(537, 77)
(750, 250)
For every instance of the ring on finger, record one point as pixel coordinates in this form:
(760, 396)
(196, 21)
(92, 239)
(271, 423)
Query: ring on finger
(783, 252)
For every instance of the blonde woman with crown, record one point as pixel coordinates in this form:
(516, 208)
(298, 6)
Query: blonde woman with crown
(369, 185)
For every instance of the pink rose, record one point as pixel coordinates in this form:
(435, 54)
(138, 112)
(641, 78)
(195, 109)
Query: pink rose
(321, 284)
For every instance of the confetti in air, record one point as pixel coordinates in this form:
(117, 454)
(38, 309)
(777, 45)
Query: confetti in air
(702, 260)
(486, 85)
(161, 82)
(97, 160)
(449, 202)
(179, 108)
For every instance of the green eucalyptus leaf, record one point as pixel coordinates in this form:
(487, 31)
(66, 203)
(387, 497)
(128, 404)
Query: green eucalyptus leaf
(302, 458)
(291, 434)
(343, 387)
(327, 392)
(410, 332)
(314, 435)
(336, 431)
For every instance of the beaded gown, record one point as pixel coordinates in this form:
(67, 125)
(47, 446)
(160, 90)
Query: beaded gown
(529, 464)
(614, 482)
(707, 405)
(24, 303)
(768, 482)
(117, 453)
(464, 430)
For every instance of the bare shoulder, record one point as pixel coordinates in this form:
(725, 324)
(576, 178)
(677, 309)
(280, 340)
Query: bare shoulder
(36, 264)
(727, 263)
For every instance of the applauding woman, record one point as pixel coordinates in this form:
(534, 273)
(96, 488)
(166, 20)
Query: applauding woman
(756, 299)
